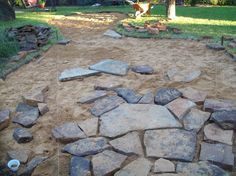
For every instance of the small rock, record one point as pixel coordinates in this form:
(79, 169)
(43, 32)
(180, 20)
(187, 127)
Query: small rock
(107, 85)
(214, 133)
(215, 46)
(21, 135)
(148, 98)
(21, 155)
(22, 107)
(4, 119)
(183, 76)
(163, 165)
(43, 108)
(232, 45)
(180, 107)
(113, 34)
(225, 119)
(93, 96)
(143, 69)
(213, 105)
(64, 42)
(166, 95)
(107, 162)
(79, 166)
(128, 94)
(194, 95)
(33, 98)
(89, 126)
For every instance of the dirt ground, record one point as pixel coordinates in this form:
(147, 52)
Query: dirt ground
(89, 46)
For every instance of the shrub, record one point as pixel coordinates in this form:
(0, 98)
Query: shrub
(213, 2)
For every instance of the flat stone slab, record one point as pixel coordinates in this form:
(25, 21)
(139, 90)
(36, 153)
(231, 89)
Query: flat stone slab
(147, 98)
(184, 76)
(107, 162)
(166, 95)
(89, 126)
(21, 155)
(225, 119)
(114, 67)
(202, 168)
(215, 46)
(180, 107)
(4, 118)
(214, 133)
(128, 95)
(113, 34)
(130, 117)
(106, 104)
(138, 167)
(76, 73)
(23, 107)
(92, 96)
(128, 144)
(143, 69)
(64, 42)
(43, 108)
(88, 146)
(195, 119)
(79, 166)
(219, 154)
(170, 144)
(213, 105)
(111, 85)
(33, 97)
(194, 95)
(22, 135)
(162, 165)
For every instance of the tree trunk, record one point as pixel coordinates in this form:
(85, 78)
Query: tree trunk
(6, 10)
(170, 9)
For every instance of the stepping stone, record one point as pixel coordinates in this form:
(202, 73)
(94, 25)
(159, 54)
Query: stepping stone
(183, 76)
(64, 42)
(89, 126)
(180, 107)
(166, 95)
(170, 144)
(162, 165)
(106, 104)
(194, 95)
(88, 146)
(225, 119)
(21, 155)
(195, 119)
(131, 117)
(22, 107)
(79, 166)
(32, 98)
(203, 168)
(68, 132)
(138, 167)
(213, 105)
(143, 69)
(93, 96)
(124, 144)
(113, 34)
(21, 135)
(215, 46)
(114, 67)
(4, 119)
(43, 108)
(219, 154)
(76, 73)
(214, 133)
(107, 162)
(147, 98)
(128, 95)
(107, 85)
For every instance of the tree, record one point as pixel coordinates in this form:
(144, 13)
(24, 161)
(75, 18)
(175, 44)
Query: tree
(170, 9)
(6, 10)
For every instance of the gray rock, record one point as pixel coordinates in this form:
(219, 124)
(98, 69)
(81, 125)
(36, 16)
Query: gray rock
(147, 98)
(68, 132)
(64, 42)
(93, 96)
(114, 67)
(113, 34)
(22, 107)
(195, 119)
(79, 166)
(4, 118)
(143, 69)
(107, 85)
(162, 165)
(225, 119)
(202, 168)
(194, 95)
(183, 76)
(128, 94)
(166, 95)
(106, 104)
(76, 73)
(88, 146)
(219, 154)
(21, 155)
(130, 117)
(21, 135)
(128, 144)
(170, 144)
(33, 97)
(213, 105)
(214, 133)
(89, 126)
(107, 162)
(215, 46)
(43, 108)
(138, 167)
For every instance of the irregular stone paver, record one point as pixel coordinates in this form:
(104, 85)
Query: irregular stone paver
(128, 94)
(22, 107)
(106, 162)
(88, 146)
(128, 144)
(166, 95)
(89, 126)
(79, 166)
(138, 167)
(194, 95)
(21, 155)
(68, 132)
(110, 66)
(76, 73)
(213, 105)
(130, 117)
(215, 133)
(148, 98)
(93, 96)
(180, 107)
(215, 46)
(143, 69)
(43, 108)
(4, 118)
(33, 97)
(163, 165)
(220, 154)
(170, 144)
(106, 104)
(112, 85)
(21, 135)
(195, 119)
(202, 168)
(113, 34)
(225, 119)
